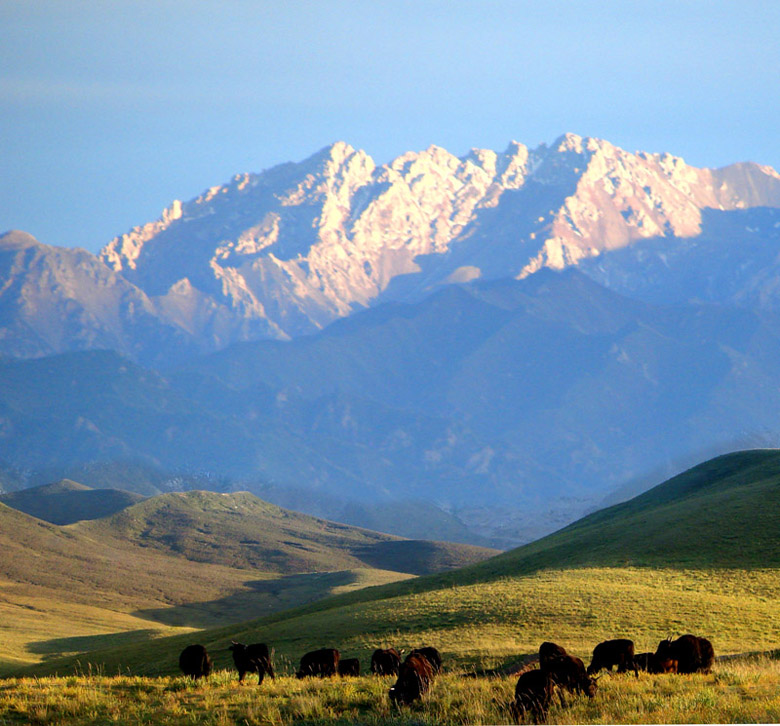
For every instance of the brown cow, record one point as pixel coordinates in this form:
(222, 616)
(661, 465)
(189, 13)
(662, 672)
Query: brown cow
(385, 662)
(414, 679)
(693, 654)
(533, 694)
(619, 652)
(322, 663)
(194, 662)
(349, 667)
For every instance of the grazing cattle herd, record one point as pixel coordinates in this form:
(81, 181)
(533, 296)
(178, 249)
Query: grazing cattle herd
(536, 688)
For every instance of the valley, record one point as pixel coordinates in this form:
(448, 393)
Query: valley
(678, 571)
(433, 360)
(178, 562)
(700, 556)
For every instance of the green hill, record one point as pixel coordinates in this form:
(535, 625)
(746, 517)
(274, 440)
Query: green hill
(698, 553)
(183, 560)
(66, 501)
(723, 513)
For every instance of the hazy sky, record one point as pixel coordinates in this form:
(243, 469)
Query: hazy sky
(110, 110)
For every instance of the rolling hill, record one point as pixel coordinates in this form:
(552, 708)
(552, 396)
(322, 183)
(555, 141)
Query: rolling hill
(66, 501)
(181, 560)
(698, 553)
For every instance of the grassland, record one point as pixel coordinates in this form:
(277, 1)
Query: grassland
(492, 624)
(736, 692)
(698, 554)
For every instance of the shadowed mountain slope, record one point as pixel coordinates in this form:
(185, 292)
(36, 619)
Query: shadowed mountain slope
(511, 407)
(514, 397)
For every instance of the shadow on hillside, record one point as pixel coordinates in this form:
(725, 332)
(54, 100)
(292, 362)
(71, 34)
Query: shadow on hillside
(262, 598)
(57, 647)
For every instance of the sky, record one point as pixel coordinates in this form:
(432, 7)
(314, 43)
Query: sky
(111, 110)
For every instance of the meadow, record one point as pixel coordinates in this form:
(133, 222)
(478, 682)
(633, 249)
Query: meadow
(489, 624)
(740, 691)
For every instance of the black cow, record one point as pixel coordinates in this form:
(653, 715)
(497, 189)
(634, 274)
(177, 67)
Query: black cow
(253, 658)
(651, 663)
(349, 667)
(322, 663)
(569, 674)
(619, 652)
(414, 679)
(433, 656)
(194, 662)
(533, 694)
(693, 654)
(385, 662)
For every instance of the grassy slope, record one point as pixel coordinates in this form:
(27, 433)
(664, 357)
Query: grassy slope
(178, 560)
(241, 530)
(699, 553)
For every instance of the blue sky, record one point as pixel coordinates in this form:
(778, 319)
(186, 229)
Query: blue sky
(110, 110)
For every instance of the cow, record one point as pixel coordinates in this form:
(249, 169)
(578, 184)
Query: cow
(322, 663)
(385, 662)
(414, 679)
(619, 652)
(253, 658)
(533, 694)
(693, 654)
(651, 663)
(433, 656)
(194, 662)
(569, 674)
(349, 667)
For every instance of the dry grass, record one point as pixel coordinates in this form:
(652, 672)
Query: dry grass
(738, 692)
(487, 625)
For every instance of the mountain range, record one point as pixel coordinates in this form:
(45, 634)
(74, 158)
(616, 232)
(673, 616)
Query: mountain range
(491, 412)
(499, 340)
